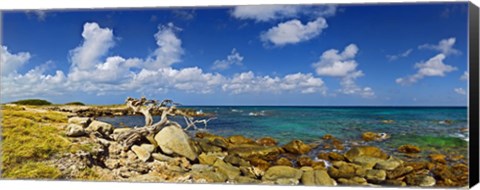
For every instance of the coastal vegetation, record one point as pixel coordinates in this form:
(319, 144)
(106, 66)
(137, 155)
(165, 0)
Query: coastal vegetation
(75, 103)
(29, 140)
(68, 142)
(33, 102)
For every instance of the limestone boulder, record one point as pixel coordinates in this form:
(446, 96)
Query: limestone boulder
(75, 130)
(173, 140)
(83, 121)
(317, 177)
(98, 126)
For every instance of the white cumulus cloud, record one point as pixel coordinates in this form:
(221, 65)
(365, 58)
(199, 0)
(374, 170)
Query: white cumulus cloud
(333, 63)
(233, 59)
(169, 48)
(293, 31)
(33, 83)
(9, 63)
(91, 71)
(247, 82)
(431, 68)
(263, 13)
(445, 46)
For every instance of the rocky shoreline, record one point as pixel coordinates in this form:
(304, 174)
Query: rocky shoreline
(176, 156)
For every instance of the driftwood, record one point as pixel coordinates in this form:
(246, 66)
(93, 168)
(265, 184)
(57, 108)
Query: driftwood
(145, 107)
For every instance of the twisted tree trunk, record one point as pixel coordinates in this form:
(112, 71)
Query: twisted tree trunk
(166, 108)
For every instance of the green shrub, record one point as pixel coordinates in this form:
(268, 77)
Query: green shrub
(34, 102)
(75, 103)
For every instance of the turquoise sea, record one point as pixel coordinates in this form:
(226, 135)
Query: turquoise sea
(432, 128)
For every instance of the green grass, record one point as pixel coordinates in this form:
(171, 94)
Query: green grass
(37, 102)
(33, 170)
(29, 139)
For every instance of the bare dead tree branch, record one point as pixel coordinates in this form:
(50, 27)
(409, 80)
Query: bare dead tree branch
(167, 108)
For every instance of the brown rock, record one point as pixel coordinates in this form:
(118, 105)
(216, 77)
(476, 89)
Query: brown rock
(277, 172)
(438, 158)
(391, 182)
(246, 180)
(317, 177)
(369, 151)
(417, 165)
(343, 171)
(323, 156)
(209, 177)
(399, 172)
(337, 144)
(254, 150)
(259, 163)
(419, 180)
(318, 165)
(239, 139)
(376, 176)
(327, 137)
(366, 162)
(207, 147)
(353, 181)
(236, 160)
(334, 156)
(389, 164)
(267, 141)
(207, 159)
(408, 148)
(297, 147)
(371, 136)
(230, 171)
(283, 162)
(456, 157)
(304, 161)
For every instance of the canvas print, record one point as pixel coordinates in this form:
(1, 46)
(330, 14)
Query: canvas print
(315, 95)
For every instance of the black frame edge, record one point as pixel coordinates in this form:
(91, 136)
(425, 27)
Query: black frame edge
(473, 36)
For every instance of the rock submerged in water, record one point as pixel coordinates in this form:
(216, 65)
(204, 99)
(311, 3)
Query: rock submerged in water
(371, 136)
(440, 158)
(409, 149)
(172, 139)
(297, 147)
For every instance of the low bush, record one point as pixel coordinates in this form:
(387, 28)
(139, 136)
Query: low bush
(33, 102)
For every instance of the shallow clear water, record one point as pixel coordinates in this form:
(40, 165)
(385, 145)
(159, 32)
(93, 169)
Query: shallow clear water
(421, 126)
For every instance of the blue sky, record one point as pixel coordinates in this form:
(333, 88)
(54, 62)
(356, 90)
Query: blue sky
(407, 54)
